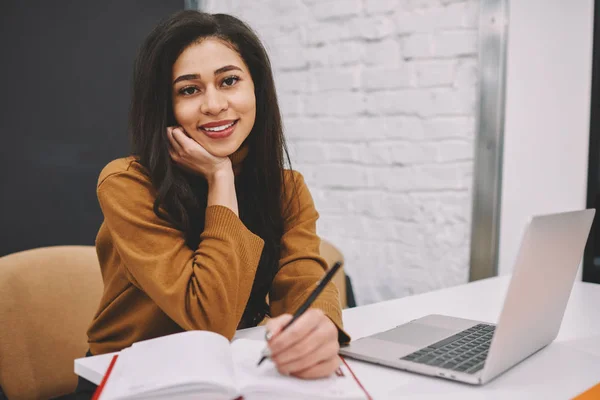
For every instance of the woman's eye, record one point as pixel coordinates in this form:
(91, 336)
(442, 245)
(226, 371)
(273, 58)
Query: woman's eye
(188, 91)
(230, 81)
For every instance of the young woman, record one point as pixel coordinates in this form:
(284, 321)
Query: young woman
(203, 222)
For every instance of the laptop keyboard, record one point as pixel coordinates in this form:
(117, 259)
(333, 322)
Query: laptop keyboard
(464, 352)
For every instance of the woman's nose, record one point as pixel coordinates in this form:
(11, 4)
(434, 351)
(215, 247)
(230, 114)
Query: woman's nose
(214, 102)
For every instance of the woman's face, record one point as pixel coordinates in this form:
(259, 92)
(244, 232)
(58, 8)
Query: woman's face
(213, 96)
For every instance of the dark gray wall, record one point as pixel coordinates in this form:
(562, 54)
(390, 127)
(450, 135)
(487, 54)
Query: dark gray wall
(64, 95)
(591, 258)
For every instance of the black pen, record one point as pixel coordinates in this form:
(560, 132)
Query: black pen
(320, 286)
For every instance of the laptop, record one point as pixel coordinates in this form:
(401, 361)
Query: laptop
(476, 352)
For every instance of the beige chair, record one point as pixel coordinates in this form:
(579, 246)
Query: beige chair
(331, 254)
(48, 298)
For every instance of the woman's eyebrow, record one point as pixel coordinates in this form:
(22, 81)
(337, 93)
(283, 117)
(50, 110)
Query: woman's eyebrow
(189, 77)
(227, 68)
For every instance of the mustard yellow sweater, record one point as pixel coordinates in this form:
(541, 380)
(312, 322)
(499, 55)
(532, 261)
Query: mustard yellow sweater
(155, 285)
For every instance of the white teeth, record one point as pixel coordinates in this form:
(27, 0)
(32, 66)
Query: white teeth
(219, 128)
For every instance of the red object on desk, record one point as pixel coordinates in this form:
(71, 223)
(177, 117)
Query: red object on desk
(356, 379)
(100, 387)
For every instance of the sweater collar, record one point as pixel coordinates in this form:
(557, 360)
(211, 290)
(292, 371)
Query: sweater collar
(238, 157)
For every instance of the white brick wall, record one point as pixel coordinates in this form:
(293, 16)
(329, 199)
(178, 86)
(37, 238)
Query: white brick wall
(378, 100)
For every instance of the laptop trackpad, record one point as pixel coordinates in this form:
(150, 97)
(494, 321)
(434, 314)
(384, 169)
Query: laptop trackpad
(415, 334)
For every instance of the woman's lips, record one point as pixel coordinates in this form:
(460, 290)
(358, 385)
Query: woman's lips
(219, 134)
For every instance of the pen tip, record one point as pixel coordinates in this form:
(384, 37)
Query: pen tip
(263, 358)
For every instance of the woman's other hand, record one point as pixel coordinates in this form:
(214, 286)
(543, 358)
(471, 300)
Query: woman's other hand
(308, 348)
(190, 155)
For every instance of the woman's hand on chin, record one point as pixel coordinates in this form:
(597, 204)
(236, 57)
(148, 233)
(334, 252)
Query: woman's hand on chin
(190, 155)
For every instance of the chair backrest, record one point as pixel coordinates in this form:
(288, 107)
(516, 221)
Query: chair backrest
(332, 255)
(48, 298)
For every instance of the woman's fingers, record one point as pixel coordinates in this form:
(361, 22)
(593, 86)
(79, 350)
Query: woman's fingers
(320, 370)
(305, 346)
(275, 325)
(192, 151)
(323, 352)
(299, 329)
(175, 146)
(180, 144)
(192, 156)
(320, 340)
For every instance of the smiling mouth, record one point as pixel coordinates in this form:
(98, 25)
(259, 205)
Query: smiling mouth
(219, 128)
(217, 132)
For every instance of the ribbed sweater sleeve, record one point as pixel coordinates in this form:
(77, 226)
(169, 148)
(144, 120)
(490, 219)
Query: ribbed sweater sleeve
(301, 265)
(204, 288)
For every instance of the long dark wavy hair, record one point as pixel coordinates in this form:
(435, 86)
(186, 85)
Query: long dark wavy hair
(181, 196)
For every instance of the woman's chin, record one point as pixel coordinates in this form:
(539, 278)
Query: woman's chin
(225, 148)
(221, 151)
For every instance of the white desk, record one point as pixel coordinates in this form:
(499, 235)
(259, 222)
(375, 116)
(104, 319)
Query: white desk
(565, 368)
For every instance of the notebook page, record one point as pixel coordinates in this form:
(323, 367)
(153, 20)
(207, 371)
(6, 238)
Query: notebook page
(268, 382)
(178, 363)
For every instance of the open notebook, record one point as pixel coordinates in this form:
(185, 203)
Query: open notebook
(202, 364)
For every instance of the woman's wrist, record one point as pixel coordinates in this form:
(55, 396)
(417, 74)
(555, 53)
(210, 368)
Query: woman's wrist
(221, 190)
(220, 176)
